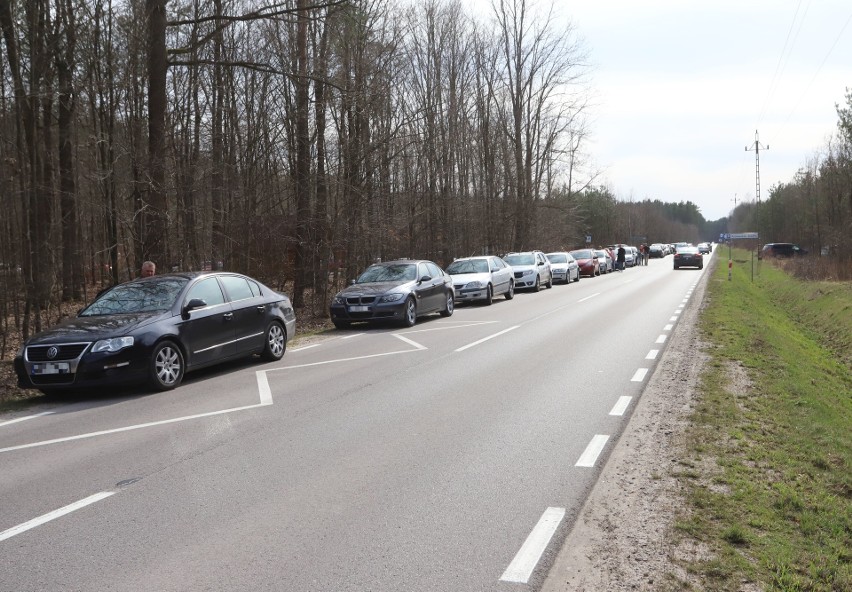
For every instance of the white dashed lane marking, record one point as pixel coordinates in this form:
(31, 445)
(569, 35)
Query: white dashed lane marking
(522, 566)
(592, 452)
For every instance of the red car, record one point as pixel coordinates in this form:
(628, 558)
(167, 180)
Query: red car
(588, 261)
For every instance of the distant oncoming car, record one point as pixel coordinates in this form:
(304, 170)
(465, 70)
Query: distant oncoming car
(688, 257)
(564, 267)
(156, 329)
(481, 278)
(398, 291)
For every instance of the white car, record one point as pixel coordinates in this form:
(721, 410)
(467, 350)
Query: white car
(564, 267)
(481, 278)
(531, 269)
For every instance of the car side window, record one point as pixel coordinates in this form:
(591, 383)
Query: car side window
(236, 287)
(207, 290)
(421, 271)
(255, 288)
(434, 271)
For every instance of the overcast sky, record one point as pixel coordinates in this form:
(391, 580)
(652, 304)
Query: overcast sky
(680, 87)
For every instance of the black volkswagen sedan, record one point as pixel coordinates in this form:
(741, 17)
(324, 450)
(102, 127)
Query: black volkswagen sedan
(397, 291)
(153, 330)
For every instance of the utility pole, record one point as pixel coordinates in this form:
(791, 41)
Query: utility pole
(756, 147)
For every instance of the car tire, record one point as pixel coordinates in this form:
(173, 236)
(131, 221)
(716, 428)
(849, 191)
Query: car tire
(276, 342)
(578, 276)
(166, 367)
(489, 296)
(409, 317)
(675, 266)
(449, 307)
(342, 325)
(549, 283)
(537, 285)
(510, 293)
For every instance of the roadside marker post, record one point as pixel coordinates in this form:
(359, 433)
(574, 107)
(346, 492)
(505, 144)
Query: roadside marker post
(730, 266)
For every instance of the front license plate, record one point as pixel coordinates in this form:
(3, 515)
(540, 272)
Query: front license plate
(52, 368)
(359, 308)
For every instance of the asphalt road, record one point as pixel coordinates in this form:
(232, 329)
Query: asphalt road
(453, 455)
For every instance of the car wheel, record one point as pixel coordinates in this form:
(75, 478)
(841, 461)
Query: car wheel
(451, 302)
(410, 316)
(166, 367)
(276, 343)
(537, 286)
(341, 324)
(510, 293)
(549, 283)
(577, 279)
(489, 296)
(675, 266)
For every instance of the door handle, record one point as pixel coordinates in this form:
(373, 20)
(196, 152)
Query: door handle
(261, 308)
(229, 316)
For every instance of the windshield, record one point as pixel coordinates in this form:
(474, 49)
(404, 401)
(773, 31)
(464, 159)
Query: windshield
(520, 259)
(133, 297)
(405, 272)
(585, 254)
(468, 266)
(557, 258)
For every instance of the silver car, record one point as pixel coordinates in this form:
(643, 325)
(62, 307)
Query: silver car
(564, 267)
(531, 269)
(481, 278)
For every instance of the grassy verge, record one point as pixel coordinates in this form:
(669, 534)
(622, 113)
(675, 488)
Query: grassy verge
(769, 473)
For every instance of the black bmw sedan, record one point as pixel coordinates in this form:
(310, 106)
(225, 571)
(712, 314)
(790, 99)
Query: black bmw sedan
(397, 291)
(153, 330)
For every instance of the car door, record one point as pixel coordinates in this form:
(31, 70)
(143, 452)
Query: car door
(250, 313)
(437, 292)
(208, 333)
(500, 275)
(543, 266)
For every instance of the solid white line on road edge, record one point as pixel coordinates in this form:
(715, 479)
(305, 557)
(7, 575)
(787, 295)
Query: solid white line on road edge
(592, 452)
(589, 297)
(639, 376)
(661, 339)
(16, 530)
(298, 349)
(522, 566)
(652, 355)
(20, 419)
(409, 341)
(351, 336)
(484, 339)
(621, 406)
(668, 327)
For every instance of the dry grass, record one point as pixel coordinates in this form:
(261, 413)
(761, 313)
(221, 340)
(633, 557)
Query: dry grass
(831, 269)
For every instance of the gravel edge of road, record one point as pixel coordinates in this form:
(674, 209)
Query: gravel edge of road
(621, 540)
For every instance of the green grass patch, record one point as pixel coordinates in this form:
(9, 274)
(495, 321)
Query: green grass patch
(775, 419)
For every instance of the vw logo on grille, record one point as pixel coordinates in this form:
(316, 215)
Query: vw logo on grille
(52, 352)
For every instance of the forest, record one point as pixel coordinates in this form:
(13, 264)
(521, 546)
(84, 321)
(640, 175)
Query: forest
(297, 141)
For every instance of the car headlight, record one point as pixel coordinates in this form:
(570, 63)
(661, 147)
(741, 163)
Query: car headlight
(529, 272)
(391, 297)
(112, 345)
(339, 299)
(475, 285)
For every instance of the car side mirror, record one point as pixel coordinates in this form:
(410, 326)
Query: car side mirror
(351, 282)
(193, 304)
(426, 278)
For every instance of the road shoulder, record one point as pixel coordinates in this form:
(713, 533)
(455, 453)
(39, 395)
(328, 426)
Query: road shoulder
(621, 539)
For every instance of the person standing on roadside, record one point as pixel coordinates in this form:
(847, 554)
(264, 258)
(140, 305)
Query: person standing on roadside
(149, 268)
(620, 257)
